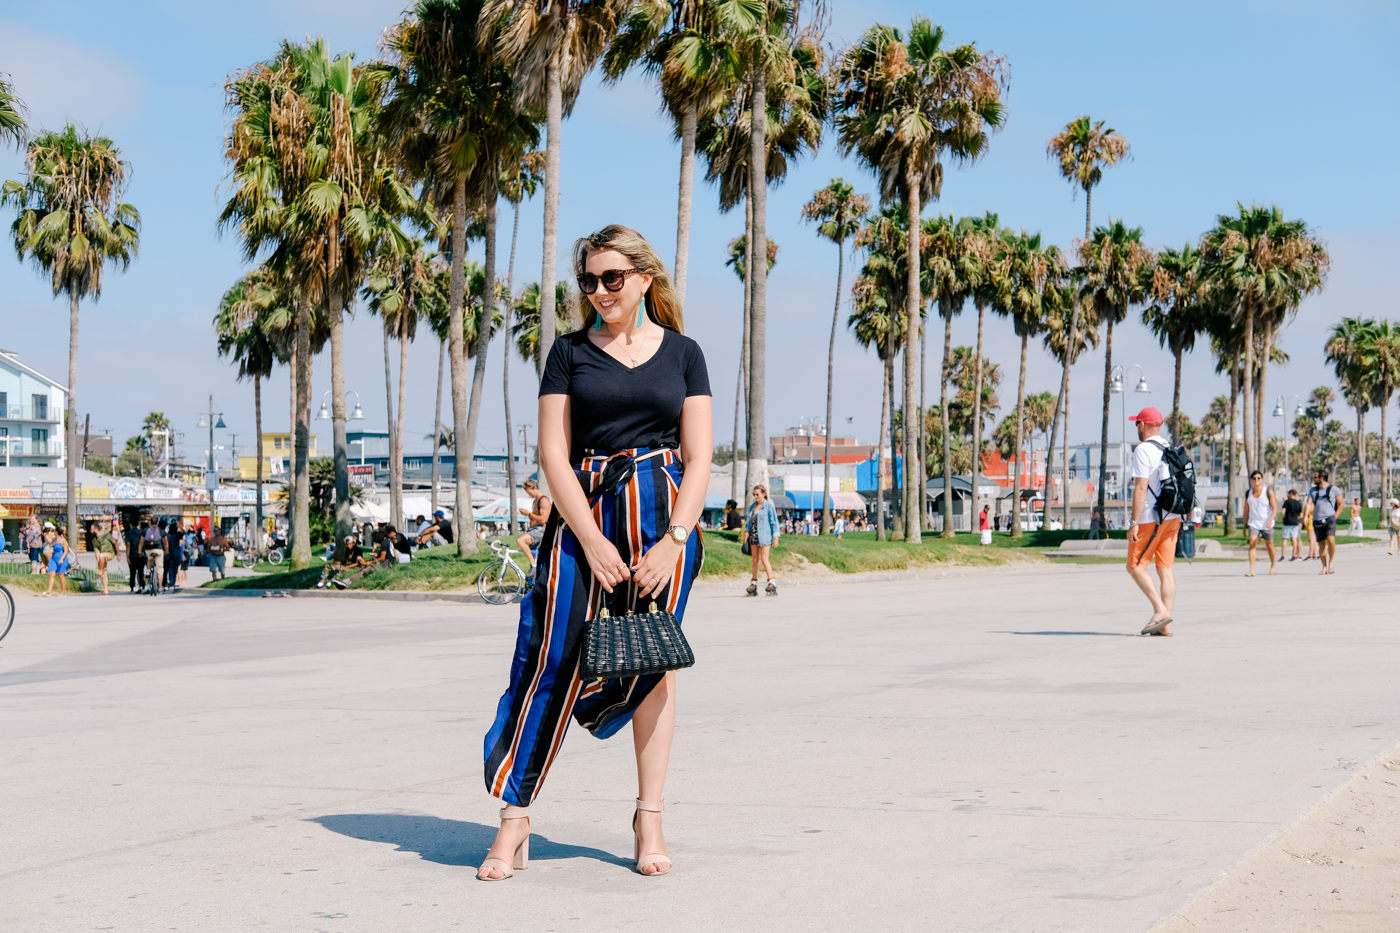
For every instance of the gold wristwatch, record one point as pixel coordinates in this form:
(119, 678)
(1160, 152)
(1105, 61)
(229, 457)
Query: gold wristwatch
(678, 532)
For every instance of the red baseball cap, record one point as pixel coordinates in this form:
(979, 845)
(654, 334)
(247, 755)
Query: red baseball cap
(1148, 415)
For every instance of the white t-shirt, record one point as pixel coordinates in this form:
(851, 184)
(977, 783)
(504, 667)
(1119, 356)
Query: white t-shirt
(1395, 519)
(1147, 462)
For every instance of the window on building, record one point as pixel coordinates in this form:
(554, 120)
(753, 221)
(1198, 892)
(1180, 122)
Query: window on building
(40, 439)
(4, 404)
(41, 407)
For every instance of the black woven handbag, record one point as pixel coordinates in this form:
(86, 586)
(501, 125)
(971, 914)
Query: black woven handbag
(638, 643)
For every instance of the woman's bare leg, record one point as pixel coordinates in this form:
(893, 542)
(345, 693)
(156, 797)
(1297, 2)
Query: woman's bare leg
(767, 567)
(653, 728)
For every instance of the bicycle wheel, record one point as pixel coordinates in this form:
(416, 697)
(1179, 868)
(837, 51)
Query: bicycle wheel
(244, 559)
(274, 556)
(500, 583)
(7, 612)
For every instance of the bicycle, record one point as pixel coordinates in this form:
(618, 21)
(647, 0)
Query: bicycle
(7, 612)
(502, 581)
(244, 556)
(274, 556)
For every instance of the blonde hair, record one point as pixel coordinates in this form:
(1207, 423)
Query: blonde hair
(663, 306)
(761, 487)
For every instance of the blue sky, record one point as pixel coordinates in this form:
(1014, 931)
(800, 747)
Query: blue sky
(1279, 102)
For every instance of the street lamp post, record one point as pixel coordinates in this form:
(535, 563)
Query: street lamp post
(810, 425)
(1117, 385)
(325, 413)
(211, 425)
(1280, 413)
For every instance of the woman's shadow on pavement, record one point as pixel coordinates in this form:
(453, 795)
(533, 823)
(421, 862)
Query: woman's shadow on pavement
(448, 842)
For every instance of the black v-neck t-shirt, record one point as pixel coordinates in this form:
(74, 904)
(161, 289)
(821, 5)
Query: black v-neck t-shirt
(616, 406)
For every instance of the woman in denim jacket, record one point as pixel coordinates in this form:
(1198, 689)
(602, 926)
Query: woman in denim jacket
(762, 532)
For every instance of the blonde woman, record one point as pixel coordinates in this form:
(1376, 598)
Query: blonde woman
(626, 437)
(60, 561)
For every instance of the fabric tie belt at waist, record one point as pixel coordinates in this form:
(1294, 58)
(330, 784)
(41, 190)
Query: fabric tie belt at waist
(618, 468)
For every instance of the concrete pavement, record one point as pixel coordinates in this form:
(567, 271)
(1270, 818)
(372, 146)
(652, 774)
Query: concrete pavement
(979, 750)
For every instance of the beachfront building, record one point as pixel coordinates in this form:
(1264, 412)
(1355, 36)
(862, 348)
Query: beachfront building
(31, 415)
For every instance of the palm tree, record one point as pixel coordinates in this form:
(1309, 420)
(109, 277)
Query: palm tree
(740, 258)
(1115, 273)
(1261, 263)
(549, 46)
(1028, 272)
(838, 212)
(156, 423)
(1381, 356)
(71, 224)
(985, 291)
(239, 326)
(402, 291)
(1082, 150)
(904, 104)
(957, 252)
(685, 46)
(12, 125)
(878, 297)
(1061, 317)
(455, 118)
(1175, 314)
(1347, 349)
(526, 330)
(519, 181)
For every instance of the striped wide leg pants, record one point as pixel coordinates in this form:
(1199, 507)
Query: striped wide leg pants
(545, 689)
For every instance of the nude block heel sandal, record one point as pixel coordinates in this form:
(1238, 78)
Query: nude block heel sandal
(522, 851)
(653, 858)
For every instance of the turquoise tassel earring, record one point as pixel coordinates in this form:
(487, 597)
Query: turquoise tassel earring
(597, 321)
(641, 312)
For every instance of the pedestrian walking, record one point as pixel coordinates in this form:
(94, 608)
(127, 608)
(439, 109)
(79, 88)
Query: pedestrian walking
(153, 548)
(1152, 534)
(135, 560)
(763, 532)
(218, 548)
(984, 525)
(1326, 501)
(1261, 508)
(60, 561)
(1394, 516)
(1313, 548)
(105, 544)
(1357, 526)
(1292, 516)
(625, 442)
(33, 540)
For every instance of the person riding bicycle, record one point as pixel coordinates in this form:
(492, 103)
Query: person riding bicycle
(537, 514)
(153, 549)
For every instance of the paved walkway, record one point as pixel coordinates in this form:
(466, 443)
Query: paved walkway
(986, 750)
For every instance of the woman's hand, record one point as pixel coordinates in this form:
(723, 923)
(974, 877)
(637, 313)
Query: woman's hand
(604, 560)
(657, 566)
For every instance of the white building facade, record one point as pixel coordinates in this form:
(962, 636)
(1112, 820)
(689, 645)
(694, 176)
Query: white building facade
(31, 415)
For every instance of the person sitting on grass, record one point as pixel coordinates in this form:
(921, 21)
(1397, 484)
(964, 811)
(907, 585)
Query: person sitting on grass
(435, 532)
(348, 558)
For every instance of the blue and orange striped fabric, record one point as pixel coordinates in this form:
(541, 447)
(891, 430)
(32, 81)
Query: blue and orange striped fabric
(545, 689)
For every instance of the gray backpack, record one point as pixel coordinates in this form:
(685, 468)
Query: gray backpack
(1323, 508)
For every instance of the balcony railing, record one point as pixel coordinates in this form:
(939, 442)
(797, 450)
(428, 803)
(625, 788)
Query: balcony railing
(31, 413)
(26, 447)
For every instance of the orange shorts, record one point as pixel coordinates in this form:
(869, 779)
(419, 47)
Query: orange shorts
(1162, 549)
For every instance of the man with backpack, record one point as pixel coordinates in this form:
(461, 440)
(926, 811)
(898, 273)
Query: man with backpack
(1326, 502)
(1163, 491)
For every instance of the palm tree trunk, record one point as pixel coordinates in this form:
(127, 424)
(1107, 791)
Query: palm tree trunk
(689, 121)
(1064, 500)
(1385, 460)
(301, 530)
(397, 458)
(1263, 395)
(457, 365)
(758, 278)
(977, 417)
(437, 426)
(1107, 399)
(913, 471)
(70, 430)
(947, 312)
(1361, 449)
(1248, 383)
(395, 490)
(505, 364)
(339, 446)
(1050, 450)
(1176, 395)
(880, 455)
(744, 382)
(292, 382)
(549, 273)
(921, 425)
(466, 443)
(1016, 464)
(738, 415)
(830, 375)
(258, 488)
(897, 459)
(1231, 450)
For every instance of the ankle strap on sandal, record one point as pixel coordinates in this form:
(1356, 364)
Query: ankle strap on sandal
(512, 812)
(651, 807)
